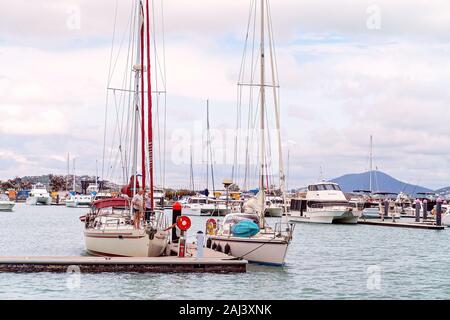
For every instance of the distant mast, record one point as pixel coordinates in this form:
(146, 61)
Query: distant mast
(371, 164)
(74, 182)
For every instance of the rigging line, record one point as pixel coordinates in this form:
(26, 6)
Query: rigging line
(131, 110)
(107, 94)
(165, 96)
(252, 76)
(276, 98)
(118, 54)
(119, 128)
(156, 72)
(235, 169)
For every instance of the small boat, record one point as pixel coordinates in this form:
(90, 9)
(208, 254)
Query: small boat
(202, 205)
(5, 203)
(78, 201)
(274, 206)
(39, 196)
(324, 203)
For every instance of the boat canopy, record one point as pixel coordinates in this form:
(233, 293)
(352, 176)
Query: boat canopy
(111, 203)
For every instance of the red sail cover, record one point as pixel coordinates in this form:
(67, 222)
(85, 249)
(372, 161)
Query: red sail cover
(111, 203)
(128, 189)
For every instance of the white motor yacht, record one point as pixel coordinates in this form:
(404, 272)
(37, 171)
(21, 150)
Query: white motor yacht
(79, 200)
(5, 203)
(201, 205)
(274, 206)
(324, 203)
(39, 196)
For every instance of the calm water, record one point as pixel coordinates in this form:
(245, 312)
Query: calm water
(324, 262)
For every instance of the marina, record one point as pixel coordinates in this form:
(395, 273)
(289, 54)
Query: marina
(398, 254)
(260, 159)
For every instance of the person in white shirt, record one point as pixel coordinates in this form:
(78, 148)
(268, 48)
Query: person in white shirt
(138, 205)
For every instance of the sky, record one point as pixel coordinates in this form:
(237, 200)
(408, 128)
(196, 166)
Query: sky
(347, 69)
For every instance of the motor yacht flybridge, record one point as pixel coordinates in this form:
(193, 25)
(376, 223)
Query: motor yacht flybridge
(324, 203)
(117, 226)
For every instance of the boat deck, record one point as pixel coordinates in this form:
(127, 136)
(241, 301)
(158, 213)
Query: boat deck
(212, 262)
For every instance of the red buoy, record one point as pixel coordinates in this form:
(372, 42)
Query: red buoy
(183, 223)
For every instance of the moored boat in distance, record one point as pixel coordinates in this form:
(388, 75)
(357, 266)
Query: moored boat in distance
(5, 203)
(324, 203)
(39, 196)
(78, 201)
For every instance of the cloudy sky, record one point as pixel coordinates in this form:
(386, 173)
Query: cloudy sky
(347, 69)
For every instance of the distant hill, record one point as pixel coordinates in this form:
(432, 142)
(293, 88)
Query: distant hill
(444, 192)
(381, 182)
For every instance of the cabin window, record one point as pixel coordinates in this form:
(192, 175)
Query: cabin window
(321, 187)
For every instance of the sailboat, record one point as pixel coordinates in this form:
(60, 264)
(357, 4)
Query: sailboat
(114, 227)
(247, 235)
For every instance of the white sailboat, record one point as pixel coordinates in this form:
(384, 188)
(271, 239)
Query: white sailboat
(39, 196)
(114, 226)
(265, 245)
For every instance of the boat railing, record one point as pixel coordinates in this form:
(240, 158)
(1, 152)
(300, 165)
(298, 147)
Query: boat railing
(284, 229)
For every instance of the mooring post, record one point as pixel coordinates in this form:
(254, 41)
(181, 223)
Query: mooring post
(386, 210)
(182, 245)
(425, 210)
(393, 213)
(176, 213)
(417, 210)
(439, 212)
(200, 244)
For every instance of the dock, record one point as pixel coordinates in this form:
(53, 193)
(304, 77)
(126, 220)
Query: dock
(413, 225)
(213, 262)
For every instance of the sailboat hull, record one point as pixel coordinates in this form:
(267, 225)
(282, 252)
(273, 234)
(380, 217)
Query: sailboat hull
(274, 212)
(6, 205)
(34, 201)
(129, 243)
(255, 250)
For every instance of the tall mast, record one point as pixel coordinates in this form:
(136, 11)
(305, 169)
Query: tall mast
(150, 109)
(282, 174)
(142, 63)
(138, 70)
(371, 163)
(262, 188)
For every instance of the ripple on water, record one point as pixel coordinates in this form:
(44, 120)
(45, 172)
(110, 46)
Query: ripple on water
(323, 262)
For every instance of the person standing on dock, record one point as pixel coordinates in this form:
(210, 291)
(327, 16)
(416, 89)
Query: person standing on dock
(138, 205)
